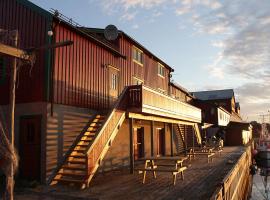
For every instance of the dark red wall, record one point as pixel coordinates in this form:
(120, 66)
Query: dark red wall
(32, 24)
(81, 74)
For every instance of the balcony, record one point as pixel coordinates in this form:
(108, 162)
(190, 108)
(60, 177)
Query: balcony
(142, 99)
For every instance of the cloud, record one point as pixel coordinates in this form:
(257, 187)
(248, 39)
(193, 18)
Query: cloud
(135, 26)
(244, 27)
(128, 16)
(241, 30)
(254, 99)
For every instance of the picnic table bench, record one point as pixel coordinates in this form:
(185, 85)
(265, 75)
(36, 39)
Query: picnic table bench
(209, 153)
(174, 165)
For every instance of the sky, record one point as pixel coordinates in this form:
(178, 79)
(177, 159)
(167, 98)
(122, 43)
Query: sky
(211, 44)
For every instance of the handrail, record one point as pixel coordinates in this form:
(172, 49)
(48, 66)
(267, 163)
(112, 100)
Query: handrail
(117, 103)
(169, 97)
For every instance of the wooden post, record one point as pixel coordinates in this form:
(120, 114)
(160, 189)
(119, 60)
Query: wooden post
(10, 177)
(171, 134)
(152, 138)
(131, 137)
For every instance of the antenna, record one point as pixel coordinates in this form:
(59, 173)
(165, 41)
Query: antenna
(111, 32)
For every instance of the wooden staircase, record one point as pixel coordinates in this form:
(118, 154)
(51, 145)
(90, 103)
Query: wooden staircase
(74, 169)
(180, 138)
(85, 156)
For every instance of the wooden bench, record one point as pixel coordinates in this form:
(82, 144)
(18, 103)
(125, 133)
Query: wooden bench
(157, 169)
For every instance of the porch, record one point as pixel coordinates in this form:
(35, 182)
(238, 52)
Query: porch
(201, 181)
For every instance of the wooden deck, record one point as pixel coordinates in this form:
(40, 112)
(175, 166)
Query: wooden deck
(201, 181)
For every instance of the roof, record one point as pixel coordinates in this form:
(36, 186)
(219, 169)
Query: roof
(144, 49)
(214, 94)
(63, 19)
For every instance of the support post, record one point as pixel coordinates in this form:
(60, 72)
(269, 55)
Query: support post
(12, 96)
(131, 137)
(171, 134)
(152, 138)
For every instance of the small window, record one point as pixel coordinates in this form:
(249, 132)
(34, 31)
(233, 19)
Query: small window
(114, 81)
(2, 70)
(161, 70)
(138, 56)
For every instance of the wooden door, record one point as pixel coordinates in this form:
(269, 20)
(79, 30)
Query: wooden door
(30, 147)
(113, 82)
(138, 143)
(161, 142)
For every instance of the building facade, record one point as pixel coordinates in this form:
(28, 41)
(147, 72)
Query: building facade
(93, 106)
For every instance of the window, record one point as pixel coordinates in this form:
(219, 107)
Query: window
(114, 82)
(2, 70)
(138, 56)
(161, 70)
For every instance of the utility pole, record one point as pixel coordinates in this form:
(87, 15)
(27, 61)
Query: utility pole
(29, 57)
(13, 74)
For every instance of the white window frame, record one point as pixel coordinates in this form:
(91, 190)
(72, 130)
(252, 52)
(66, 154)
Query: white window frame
(114, 81)
(137, 55)
(161, 70)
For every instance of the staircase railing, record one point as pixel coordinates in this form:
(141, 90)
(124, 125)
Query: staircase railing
(198, 133)
(105, 135)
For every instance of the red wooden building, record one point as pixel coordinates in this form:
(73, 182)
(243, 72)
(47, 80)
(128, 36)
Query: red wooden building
(220, 112)
(95, 105)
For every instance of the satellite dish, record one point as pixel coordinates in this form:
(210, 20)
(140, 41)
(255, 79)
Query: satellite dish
(111, 32)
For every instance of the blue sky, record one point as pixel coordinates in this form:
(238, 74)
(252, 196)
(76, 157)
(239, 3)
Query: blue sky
(211, 44)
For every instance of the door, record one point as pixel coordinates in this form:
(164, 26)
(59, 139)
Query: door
(113, 82)
(161, 142)
(138, 143)
(30, 147)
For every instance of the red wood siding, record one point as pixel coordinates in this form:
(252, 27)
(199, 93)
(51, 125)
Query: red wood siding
(81, 75)
(32, 26)
(80, 72)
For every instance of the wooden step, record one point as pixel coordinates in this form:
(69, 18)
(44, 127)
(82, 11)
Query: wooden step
(82, 145)
(80, 150)
(69, 180)
(90, 132)
(100, 117)
(77, 156)
(70, 167)
(76, 162)
(82, 175)
(86, 140)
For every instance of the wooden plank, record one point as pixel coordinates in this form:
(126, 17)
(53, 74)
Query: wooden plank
(158, 119)
(131, 153)
(171, 137)
(152, 138)
(15, 52)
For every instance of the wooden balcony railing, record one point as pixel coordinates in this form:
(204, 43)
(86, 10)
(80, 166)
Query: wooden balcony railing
(146, 100)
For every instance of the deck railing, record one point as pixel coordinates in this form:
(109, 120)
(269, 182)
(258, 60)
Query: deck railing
(147, 100)
(236, 185)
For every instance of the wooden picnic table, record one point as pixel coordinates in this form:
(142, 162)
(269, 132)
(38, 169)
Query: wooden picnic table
(152, 164)
(209, 153)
